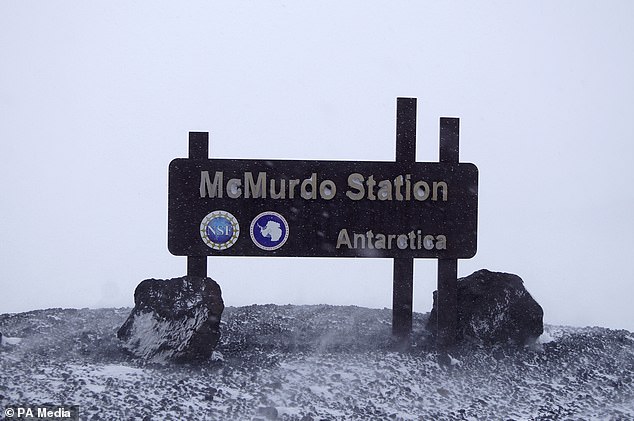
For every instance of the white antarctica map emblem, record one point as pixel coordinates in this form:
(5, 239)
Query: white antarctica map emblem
(269, 230)
(219, 230)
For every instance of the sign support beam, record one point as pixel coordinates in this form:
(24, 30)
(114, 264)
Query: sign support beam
(402, 297)
(198, 149)
(403, 268)
(447, 298)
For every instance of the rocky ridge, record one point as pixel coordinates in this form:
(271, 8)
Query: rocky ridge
(313, 363)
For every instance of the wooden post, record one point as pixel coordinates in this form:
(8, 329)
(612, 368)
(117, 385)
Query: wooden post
(447, 302)
(402, 297)
(198, 149)
(403, 268)
(447, 299)
(406, 130)
(197, 266)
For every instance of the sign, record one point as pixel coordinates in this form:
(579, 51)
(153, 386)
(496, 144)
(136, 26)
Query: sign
(238, 207)
(401, 210)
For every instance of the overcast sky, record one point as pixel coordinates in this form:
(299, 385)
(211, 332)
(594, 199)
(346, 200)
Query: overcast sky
(96, 98)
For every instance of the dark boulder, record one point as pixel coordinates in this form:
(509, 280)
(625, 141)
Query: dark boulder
(174, 319)
(494, 308)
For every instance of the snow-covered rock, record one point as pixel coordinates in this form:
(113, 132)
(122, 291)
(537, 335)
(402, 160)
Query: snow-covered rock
(494, 308)
(5, 340)
(175, 319)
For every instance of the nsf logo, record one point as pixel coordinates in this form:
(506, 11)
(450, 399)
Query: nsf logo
(269, 231)
(219, 230)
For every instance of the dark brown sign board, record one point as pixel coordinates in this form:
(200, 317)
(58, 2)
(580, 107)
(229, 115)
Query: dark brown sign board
(298, 208)
(323, 208)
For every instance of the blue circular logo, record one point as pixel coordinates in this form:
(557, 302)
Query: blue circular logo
(269, 230)
(219, 230)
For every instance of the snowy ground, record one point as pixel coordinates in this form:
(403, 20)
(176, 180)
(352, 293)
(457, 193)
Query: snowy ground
(312, 363)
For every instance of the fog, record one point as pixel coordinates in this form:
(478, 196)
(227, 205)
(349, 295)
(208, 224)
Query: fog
(96, 98)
